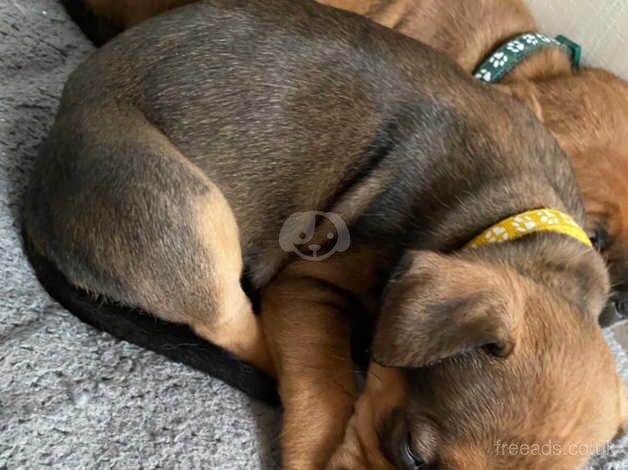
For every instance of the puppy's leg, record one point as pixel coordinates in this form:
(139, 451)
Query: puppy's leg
(123, 214)
(306, 315)
(309, 338)
(360, 448)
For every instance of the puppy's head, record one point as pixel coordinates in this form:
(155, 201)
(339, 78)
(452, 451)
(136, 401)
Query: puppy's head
(494, 371)
(587, 112)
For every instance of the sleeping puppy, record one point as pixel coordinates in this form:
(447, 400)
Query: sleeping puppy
(595, 137)
(468, 32)
(199, 147)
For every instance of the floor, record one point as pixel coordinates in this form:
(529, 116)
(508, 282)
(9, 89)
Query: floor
(621, 333)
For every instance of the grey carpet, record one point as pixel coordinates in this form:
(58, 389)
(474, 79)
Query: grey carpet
(71, 397)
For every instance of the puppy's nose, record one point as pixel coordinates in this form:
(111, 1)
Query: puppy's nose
(314, 248)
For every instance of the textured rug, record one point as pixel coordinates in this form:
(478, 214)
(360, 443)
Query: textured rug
(72, 397)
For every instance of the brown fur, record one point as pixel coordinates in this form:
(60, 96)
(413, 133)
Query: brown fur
(465, 333)
(486, 24)
(126, 13)
(307, 316)
(587, 111)
(234, 327)
(445, 374)
(465, 31)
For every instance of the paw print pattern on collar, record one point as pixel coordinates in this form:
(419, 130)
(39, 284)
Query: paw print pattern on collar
(539, 220)
(508, 55)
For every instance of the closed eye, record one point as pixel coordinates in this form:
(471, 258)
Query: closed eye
(410, 457)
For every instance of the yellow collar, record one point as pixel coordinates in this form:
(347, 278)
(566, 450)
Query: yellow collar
(520, 225)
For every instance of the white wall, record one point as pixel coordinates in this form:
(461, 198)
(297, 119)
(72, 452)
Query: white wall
(599, 26)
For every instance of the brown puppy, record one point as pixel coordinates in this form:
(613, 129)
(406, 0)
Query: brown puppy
(415, 419)
(177, 159)
(468, 31)
(595, 137)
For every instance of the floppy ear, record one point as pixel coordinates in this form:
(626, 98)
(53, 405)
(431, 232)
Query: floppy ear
(441, 306)
(525, 92)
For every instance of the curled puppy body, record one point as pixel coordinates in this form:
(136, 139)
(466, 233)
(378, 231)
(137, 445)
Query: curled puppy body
(183, 146)
(468, 31)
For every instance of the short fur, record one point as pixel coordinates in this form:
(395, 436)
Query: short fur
(176, 342)
(590, 125)
(595, 137)
(486, 25)
(182, 146)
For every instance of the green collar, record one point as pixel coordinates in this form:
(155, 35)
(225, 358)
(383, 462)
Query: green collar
(500, 62)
